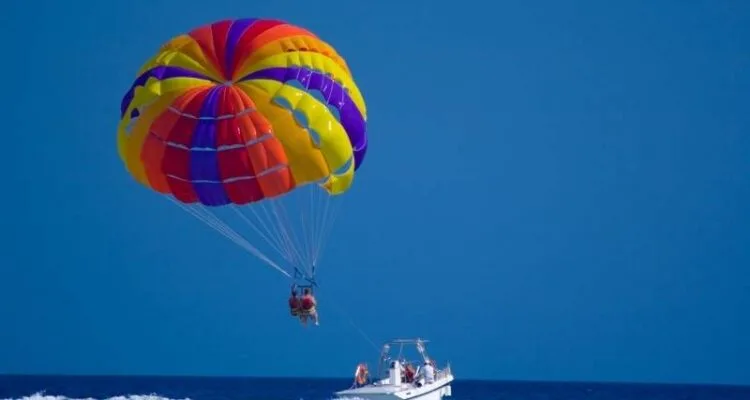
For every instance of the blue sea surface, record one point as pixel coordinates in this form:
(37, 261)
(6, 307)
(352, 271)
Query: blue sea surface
(30, 387)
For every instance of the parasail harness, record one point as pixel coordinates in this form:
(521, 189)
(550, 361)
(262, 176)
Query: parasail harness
(303, 280)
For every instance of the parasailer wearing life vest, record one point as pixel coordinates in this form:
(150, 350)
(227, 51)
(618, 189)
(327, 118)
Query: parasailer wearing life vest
(294, 303)
(361, 375)
(308, 307)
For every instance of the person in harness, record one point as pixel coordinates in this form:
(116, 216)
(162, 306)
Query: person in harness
(308, 307)
(295, 303)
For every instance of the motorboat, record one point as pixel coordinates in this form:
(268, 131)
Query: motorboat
(397, 378)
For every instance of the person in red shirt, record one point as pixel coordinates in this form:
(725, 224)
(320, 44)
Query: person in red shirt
(408, 373)
(309, 305)
(294, 303)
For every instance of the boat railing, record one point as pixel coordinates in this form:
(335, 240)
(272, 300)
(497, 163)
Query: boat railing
(443, 373)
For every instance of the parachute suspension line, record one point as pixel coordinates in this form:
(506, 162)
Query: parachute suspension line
(272, 237)
(283, 240)
(313, 230)
(277, 221)
(326, 226)
(274, 225)
(319, 199)
(276, 246)
(306, 242)
(228, 233)
(222, 228)
(316, 225)
(216, 222)
(283, 222)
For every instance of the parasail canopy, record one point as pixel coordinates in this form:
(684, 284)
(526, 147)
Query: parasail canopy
(255, 119)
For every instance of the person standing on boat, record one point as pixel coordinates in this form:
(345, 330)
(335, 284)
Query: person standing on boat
(427, 372)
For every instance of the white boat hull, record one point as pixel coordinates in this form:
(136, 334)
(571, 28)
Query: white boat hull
(433, 391)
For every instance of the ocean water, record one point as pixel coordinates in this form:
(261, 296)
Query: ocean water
(196, 388)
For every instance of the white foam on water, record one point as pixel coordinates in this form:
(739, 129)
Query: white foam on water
(347, 398)
(44, 396)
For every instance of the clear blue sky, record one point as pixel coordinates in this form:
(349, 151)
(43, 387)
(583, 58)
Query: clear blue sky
(559, 190)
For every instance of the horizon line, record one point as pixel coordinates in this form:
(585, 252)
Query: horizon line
(320, 378)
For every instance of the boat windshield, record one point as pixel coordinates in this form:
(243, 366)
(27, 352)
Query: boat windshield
(410, 353)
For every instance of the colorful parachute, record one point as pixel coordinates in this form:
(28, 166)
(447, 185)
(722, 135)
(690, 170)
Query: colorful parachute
(246, 114)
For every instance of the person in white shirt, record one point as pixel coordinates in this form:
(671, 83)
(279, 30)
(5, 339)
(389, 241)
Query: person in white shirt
(427, 372)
